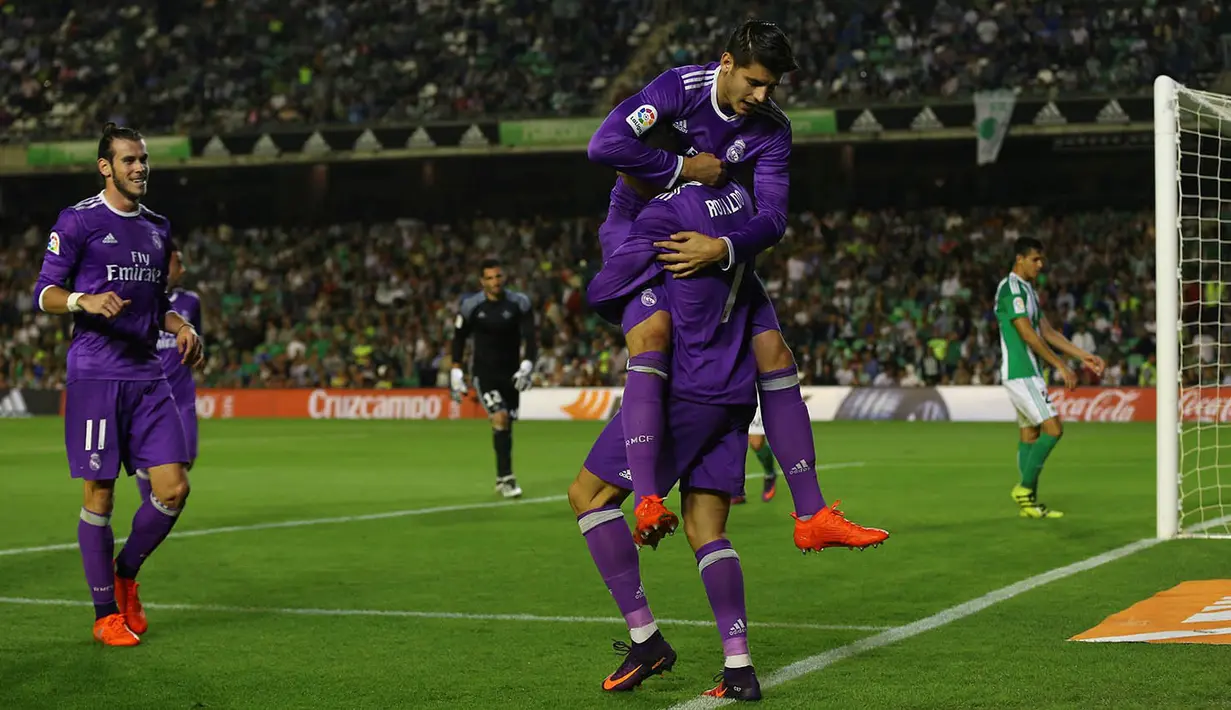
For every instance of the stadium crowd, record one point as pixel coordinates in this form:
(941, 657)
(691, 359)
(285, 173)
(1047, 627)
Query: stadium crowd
(851, 50)
(868, 298)
(67, 66)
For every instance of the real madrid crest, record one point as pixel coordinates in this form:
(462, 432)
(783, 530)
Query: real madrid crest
(735, 153)
(156, 238)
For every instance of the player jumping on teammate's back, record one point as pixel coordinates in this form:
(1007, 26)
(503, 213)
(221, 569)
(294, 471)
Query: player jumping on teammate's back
(709, 404)
(119, 408)
(722, 109)
(1024, 334)
(501, 321)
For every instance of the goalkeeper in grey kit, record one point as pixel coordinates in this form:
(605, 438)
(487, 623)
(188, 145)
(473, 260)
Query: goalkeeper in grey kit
(501, 321)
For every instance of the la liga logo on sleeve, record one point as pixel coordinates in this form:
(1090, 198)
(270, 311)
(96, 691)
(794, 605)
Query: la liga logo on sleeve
(53, 243)
(642, 119)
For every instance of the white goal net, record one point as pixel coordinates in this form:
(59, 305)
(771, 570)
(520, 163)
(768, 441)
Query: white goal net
(1192, 152)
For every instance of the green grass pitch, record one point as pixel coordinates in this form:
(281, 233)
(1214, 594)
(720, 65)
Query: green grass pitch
(242, 640)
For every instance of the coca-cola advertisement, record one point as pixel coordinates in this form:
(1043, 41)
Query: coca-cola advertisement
(1138, 404)
(1206, 404)
(1104, 404)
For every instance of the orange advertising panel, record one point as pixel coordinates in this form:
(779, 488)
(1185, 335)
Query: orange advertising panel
(334, 404)
(1192, 612)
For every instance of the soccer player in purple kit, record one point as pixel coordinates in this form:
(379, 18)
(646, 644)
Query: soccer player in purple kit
(179, 374)
(710, 403)
(724, 108)
(106, 264)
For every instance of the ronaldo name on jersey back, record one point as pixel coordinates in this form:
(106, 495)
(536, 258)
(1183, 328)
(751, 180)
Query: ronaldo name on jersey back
(95, 248)
(711, 312)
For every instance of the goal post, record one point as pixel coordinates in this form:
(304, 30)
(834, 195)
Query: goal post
(1167, 303)
(1192, 213)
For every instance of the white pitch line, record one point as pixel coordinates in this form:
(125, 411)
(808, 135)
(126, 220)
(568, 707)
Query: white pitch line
(532, 618)
(312, 521)
(821, 661)
(351, 518)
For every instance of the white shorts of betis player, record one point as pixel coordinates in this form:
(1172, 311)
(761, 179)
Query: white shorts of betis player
(756, 428)
(1031, 400)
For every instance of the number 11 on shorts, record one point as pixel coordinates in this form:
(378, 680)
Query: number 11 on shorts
(89, 434)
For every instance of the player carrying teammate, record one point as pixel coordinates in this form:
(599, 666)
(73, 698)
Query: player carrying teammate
(106, 264)
(710, 402)
(724, 108)
(1025, 333)
(501, 321)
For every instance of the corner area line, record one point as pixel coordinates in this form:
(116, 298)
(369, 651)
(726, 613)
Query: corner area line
(823, 660)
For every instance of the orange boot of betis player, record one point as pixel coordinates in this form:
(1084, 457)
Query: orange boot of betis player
(654, 522)
(830, 528)
(111, 630)
(130, 604)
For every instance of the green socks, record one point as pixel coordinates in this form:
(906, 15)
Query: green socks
(1031, 457)
(766, 457)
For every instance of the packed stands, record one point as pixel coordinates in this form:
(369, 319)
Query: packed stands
(894, 51)
(68, 66)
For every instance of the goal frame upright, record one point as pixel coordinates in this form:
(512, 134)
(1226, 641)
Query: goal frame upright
(1167, 299)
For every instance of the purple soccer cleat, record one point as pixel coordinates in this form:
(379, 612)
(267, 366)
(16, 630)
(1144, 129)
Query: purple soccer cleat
(641, 661)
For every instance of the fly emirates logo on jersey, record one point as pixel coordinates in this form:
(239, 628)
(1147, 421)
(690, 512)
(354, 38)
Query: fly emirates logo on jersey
(141, 270)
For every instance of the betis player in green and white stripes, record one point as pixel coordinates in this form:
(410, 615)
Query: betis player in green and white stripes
(1025, 338)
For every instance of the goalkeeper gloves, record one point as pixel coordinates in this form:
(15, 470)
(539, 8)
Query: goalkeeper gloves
(522, 380)
(457, 384)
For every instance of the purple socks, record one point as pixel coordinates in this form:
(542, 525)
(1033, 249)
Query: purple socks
(724, 585)
(97, 544)
(789, 431)
(643, 410)
(151, 525)
(611, 545)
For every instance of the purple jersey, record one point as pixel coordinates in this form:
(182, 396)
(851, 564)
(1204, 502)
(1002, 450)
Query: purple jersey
(687, 98)
(188, 305)
(94, 248)
(711, 312)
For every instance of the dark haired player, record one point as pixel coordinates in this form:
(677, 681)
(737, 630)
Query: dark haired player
(106, 264)
(1025, 338)
(721, 109)
(501, 321)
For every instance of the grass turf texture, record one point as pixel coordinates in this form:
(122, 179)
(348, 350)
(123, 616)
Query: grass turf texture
(942, 490)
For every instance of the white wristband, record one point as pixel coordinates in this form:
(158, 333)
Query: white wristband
(73, 306)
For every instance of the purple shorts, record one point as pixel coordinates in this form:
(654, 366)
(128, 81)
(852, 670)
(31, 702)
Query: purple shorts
(706, 448)
(764, 317)
(188, 417)
(108, 423)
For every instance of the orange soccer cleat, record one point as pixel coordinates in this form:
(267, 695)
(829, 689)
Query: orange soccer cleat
(830, 528)
(111, 630)
(654, 522)
(130, 604)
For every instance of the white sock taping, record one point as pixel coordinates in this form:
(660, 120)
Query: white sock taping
(742, 660)
(641, 634)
